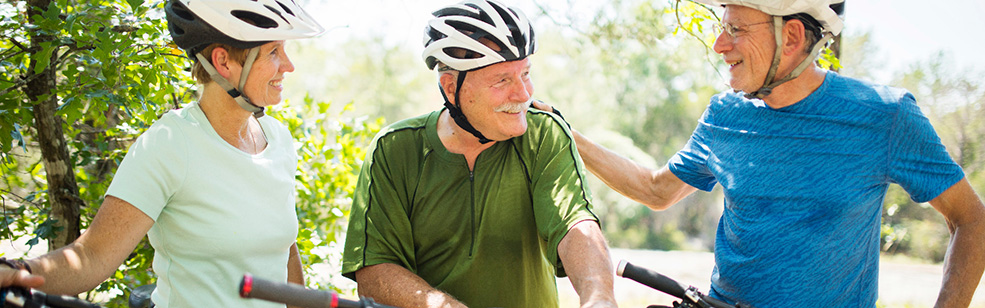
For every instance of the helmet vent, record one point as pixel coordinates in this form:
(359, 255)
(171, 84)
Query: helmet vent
(255, 19)
(182, 12)
(286, 9)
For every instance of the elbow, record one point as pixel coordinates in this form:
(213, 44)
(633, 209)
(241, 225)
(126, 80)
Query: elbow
(657, 205)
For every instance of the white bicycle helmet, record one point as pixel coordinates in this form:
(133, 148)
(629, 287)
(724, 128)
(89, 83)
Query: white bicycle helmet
(821, 16)
(462, 25)
(820, 10)
(468, 26)
(245, 24)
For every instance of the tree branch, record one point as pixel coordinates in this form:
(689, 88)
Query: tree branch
(23, 82)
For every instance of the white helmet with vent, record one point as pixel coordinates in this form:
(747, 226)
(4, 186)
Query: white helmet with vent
(244, 24)
(462, 26)
(823, 16)
(826, 12)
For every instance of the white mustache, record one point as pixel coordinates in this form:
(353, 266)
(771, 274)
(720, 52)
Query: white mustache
(514, 108)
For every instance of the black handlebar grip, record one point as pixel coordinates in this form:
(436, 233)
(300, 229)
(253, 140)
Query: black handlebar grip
(67, 302)
(296, 295)
(662, 283)
(651, 279)
(23, 297)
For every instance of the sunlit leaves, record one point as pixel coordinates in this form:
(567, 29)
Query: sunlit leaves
(331, 147)
(828, 61)
(115, 76)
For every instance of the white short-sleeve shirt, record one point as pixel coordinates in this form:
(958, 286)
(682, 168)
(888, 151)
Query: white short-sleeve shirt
(219, 212)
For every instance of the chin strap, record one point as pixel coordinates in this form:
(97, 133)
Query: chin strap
(456, 111)
(768, 87)
(243, 101)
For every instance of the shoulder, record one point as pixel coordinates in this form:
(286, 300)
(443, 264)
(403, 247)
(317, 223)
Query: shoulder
(547, 135)
(169, 129)
(405, 135)
(542, 125)
(406, 128)
(730, 100)
(867, 93)
(277, 127)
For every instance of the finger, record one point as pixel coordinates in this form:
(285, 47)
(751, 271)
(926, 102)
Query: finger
(542, 106)
(25, 279)
(21, 278)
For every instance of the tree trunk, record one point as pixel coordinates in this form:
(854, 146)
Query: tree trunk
(63, 191)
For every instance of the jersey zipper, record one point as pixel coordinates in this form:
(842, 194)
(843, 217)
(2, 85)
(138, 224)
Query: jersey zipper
(472, 211)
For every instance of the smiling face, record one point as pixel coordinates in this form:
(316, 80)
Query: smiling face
(265, 82)
(749, 53)
(495, 99)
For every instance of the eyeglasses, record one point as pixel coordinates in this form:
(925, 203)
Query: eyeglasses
(731, 29)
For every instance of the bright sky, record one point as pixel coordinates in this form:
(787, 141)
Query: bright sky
(905, 30)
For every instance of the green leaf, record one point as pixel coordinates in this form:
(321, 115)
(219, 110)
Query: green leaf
(42, 58)
(135, 4)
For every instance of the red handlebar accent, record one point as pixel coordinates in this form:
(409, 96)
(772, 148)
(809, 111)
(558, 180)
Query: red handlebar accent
(247, 287)
(335, 300)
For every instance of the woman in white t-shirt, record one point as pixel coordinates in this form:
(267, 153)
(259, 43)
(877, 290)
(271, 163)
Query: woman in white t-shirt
(211, 184)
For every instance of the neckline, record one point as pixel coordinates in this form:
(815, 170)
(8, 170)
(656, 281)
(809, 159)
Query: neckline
(199, 114)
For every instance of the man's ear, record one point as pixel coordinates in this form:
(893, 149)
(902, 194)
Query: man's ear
(221, 61)
(794, 37)
(448, 85)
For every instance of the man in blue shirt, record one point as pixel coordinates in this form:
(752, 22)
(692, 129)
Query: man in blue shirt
(804, 157)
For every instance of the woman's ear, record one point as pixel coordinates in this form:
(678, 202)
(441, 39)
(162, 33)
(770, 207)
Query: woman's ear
(221, 62)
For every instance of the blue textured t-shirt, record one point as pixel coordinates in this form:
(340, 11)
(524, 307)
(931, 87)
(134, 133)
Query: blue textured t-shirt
(804, 187)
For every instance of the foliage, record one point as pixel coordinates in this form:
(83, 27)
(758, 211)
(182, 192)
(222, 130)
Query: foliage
(637, 75)
(632, 81)
(382, 79)
(116, 74)
(331, 148)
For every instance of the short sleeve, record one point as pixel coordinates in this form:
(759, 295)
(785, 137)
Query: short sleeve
(379, 226)
(561, 197)
(690, 164)
(153, 168)
(918, 160)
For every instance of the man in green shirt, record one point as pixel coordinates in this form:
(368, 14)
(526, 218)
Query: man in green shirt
(481, 203)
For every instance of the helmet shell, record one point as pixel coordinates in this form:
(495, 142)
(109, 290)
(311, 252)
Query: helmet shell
(467, 25)
(821, 10)
(195, 24)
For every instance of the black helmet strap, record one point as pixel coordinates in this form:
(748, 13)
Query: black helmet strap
(456, 111)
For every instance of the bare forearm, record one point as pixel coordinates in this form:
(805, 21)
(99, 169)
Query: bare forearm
(657, 189)
(117, 228)
(295, 271)
(72, 269)
(393, 285)
(586, 260)
(963, 266)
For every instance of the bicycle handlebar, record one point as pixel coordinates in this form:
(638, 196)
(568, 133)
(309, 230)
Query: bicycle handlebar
(296, 295)
(665, 284)
(21, 297)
